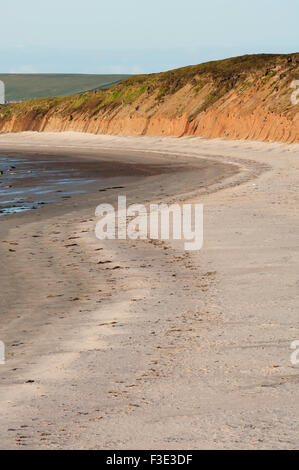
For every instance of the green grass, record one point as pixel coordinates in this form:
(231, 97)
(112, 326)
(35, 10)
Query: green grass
(197, 88)
(269, 75)
(115, 97)
(21, 87)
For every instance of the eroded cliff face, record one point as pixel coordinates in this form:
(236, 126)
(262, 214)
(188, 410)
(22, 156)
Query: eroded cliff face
(241, 98)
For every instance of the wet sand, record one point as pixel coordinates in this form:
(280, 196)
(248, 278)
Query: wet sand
(139, 344)
(29, 179)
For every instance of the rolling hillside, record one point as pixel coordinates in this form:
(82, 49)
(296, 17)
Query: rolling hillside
(21, 87)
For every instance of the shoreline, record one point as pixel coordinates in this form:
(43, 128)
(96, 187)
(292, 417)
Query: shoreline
(150, 346)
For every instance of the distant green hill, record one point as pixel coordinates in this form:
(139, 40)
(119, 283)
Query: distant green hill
(21, 87)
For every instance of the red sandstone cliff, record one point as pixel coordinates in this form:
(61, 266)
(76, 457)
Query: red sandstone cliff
(245, 97)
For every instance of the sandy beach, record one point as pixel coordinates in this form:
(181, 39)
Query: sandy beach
(138, 344)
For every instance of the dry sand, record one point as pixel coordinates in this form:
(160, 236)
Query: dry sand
(171, 349)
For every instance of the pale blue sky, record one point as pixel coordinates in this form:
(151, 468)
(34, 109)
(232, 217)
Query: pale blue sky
(135, 36)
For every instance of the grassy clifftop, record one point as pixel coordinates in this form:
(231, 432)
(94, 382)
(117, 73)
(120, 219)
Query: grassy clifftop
(239, 85)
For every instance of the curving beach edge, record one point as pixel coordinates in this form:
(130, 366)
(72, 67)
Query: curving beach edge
(139, 344)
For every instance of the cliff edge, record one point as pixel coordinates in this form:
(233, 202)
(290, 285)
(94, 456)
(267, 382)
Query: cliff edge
(248, 97)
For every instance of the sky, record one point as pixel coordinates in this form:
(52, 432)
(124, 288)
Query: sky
(138, 36)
